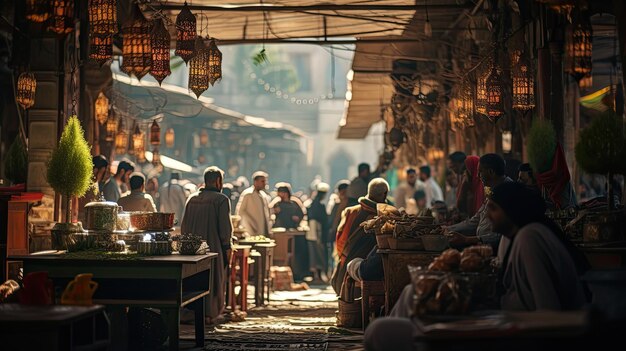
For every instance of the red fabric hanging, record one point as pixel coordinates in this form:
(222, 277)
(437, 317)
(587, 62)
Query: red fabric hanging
(556, 178)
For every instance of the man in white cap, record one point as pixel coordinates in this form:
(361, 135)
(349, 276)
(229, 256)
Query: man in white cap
(253, 206)
(316, 236)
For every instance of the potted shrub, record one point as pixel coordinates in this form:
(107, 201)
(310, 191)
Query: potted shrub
(601, 149)
(70, 170)
(16, 162)
(541, 145)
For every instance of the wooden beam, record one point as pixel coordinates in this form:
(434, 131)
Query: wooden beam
(318, 7)
(312, 41)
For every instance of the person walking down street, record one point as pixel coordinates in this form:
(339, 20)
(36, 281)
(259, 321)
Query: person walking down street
(207, 213)
(317, 234)
(289, 213)
(336, 204)
(406, 189)
(253, 206)
(431, 188)
(173, 196)
(137, 200)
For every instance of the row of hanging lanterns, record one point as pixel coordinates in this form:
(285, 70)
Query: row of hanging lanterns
(59, 14)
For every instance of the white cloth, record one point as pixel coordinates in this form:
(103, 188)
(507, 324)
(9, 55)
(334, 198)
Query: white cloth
(254, 210)
(173, 199)
(404, 192)
(433, 192)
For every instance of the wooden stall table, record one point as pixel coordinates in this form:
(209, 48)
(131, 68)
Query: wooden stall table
(239, 270)
(285, 246)
(605, 257)
(262, 291)
(163, 282)
(397, 276)
(53, 327)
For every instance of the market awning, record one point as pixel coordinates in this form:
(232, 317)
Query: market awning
(144, 100)
(171, 163)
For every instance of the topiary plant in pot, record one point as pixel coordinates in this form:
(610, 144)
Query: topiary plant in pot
(541, 145)
(70, 170)
(601, 149)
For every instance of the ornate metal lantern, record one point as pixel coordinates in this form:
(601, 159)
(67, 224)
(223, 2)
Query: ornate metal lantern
(186, 34)
(586, 82)
(156, 157)
(139, 143)
(578, 48)
(481, 90)
(102, 108)
(121, 139)
(37, 11)
(160, 40)
(523, 85)
(26, 86)
(169, 137)
(199, 69)
(137, 50)
(102, 17)
(62, 20)
(495, 90)
(155, 134)
(100, 49)
(111, 127)
(215, 63)
(466, 104)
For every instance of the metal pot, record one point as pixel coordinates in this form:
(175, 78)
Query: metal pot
(101, 215)
(152, 220)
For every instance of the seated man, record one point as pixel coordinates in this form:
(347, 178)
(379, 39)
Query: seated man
(137, 200)
(540, 270)
(352, 241)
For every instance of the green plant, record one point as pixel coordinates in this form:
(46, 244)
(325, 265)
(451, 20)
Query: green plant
(70, 168)
(260, 58)
(16, 162)
(541, 145)
(602, 148)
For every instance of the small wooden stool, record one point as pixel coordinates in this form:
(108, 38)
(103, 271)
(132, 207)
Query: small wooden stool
(239, 269)
(265, 265)
(372, 298)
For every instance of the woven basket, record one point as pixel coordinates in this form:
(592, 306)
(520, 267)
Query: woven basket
(349, 314)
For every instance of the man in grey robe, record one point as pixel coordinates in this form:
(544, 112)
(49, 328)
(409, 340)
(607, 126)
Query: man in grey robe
(208, 214)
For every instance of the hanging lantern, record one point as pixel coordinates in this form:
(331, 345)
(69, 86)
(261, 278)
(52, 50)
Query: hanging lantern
(204, 137)
(138, 140)
(121, 139)
(37, 11)
(111, 127)
(102, 17)
(186, 34)
(199, 69)
(466, 104)
(160, 41)
(141, 156)
(156, 157)
(523, 86)
(215, 63)
(169, 137)
(137, 51)
(155, 134)
(481, 90)
(100, 49)
(102, 108)
(62, 21)
(578, 47)
(495, 90)
(26, 86)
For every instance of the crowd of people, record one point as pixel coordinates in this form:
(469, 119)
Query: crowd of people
(479, 204)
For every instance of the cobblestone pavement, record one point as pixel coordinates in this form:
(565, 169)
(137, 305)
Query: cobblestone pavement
(301, 316)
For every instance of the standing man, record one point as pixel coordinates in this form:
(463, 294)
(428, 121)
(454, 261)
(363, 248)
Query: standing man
(358, 186)
(317, 234)
(253, 206)
(431, 188)
(116, 186)
(406, 189)
(208, 214)
(137, 200)
(336, 204)
(100, 176)
(173, 196)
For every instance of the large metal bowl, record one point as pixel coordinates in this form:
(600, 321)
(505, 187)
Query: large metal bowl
(152, 220)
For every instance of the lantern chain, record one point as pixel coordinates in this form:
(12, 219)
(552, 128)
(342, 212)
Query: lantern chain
(73, 81)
